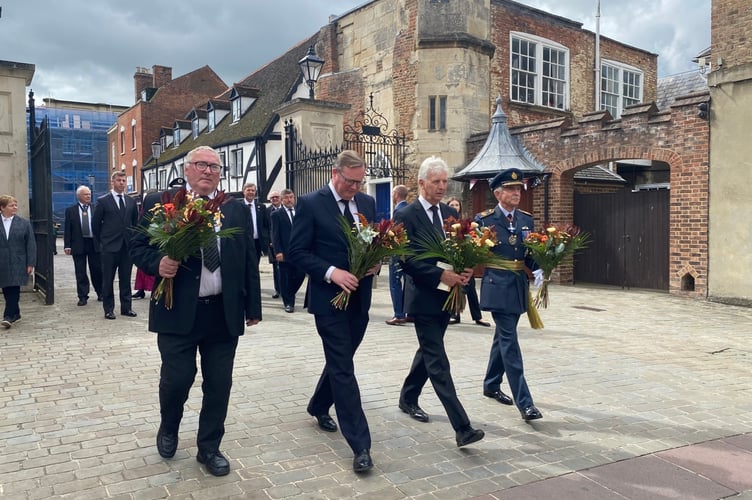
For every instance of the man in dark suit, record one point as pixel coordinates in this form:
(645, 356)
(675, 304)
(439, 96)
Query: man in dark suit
(424, 300)
(259, 220)
(290, 276)
(215, 297)
(396, 277)
(505, 292)
(276, 204)
(318, 246)
(78, 241)
(114, 216)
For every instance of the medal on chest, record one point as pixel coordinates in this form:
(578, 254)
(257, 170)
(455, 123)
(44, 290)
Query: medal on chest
(512, 232)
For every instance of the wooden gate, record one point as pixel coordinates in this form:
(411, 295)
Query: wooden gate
(630, 232)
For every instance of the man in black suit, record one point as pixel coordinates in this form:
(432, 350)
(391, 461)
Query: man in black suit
(426, 286)
(259, 220)
(114, 216)
(78, 241)
(276, 204)
(215, 297)
(318, 246)
(290, 276)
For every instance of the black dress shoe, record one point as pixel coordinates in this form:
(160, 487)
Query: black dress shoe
(130, 313)
(275, 296)
(82, 302)
(289, 309)
(138, 295)
(499, 396)
(469, 436)
(454, 320)
(109, 315)
(215, 462)
(326, 423)
(531, 413)
(5, 323)
(414, 411)
(99, 298)
(362, 461)
(480, 322)
(167, 444)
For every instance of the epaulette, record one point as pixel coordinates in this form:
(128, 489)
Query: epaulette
(485, 213)
(526, 213)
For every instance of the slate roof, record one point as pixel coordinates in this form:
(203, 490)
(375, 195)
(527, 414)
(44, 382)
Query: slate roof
(673, 86)
(598, 173)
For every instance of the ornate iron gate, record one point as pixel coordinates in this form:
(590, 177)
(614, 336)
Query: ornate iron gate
(41, 204)
(383, 150)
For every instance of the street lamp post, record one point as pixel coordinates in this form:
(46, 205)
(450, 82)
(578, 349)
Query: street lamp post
(311, 66)
(156, 151)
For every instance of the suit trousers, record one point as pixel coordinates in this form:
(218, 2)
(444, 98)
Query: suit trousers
(291, 278)
(506, 357)
(95, 270)
(396, 282)
(12, 295)
(121, 262)
(341, 334)
(217, 347)
(431, 362)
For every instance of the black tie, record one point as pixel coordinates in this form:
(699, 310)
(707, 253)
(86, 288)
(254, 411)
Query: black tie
(85, 229)
(121, 204)
(347, 213)
(292, 215)
(437, 222)
(211, 254)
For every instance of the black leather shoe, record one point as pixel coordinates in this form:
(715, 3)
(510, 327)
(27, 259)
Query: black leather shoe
(469, 436)
(5, 323)
(454, 320)
(109, 315)
(480, 322)
(275, 296)
(499, 396)
(82, 302)
(215, 462)
(167, 444)
(362, 461)
(138, 295)
(289, 309)
(531, 413)
(414, 411)
(130, 313)
(326, 423)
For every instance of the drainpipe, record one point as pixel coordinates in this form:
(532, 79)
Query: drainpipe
(597, 68)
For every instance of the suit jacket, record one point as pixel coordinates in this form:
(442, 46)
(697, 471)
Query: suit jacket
(241, 286)
(18, 250)
(269, 211)
(422, 276)
(112, 229)
(281, 231)
(73, 236)
(262, 225)
(507, 291)
(318, 242)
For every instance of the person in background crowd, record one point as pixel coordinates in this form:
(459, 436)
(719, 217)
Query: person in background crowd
(291, 278)
(276, 204)
(259, 220)
(470, 292)
(78, 241)
(396, 277)
(318, 246)
(424, 302)
(505, 292)
(18, 256)
(115, 214)
(215, 298)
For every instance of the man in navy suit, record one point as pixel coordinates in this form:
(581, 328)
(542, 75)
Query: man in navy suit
(505, 292)
(78, 241)
(114, 216)
(318, 246)
(424, 301)
(396, 289)
(215, 298)
(259, 220)
(276, 204)
(290, 276)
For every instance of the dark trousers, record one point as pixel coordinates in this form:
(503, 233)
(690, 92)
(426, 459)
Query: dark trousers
(431, 362)
(95, 270)
(341, 334)
(217, 348)
(506, 357)
(276, 274)
(396, 283)
(12, 295)
(290, 280)
(121, 262)
(472, 300)
(259, 250)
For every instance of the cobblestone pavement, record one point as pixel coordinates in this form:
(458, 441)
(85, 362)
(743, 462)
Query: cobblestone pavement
(617, 374)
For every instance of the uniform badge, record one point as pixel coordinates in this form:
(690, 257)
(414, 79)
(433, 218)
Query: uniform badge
(512, 239)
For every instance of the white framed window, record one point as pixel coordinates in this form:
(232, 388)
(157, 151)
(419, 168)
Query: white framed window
(539, 70)
(194, 127)
(176, 137)
(621, 86)
(236, 109)
(236, 163)
(437, 112)
(133, 136)
(212, 120)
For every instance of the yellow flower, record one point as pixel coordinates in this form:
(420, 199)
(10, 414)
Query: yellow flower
(473, 224)
(456, 227)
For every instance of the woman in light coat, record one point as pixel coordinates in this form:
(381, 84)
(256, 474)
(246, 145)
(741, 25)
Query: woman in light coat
(18, 254)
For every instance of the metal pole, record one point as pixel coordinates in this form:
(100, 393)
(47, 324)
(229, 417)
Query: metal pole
(597, 68)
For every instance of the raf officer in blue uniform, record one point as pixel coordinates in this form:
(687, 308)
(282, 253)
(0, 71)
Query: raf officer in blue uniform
(505, 293)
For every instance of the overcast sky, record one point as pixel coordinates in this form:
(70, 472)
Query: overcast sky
(88, 50)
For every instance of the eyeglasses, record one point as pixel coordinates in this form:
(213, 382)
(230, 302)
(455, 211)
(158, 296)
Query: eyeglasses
(350, 182)
(274, 197)
(203, 165)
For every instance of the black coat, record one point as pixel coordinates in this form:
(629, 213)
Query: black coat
(111, 228)
(73, 237)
